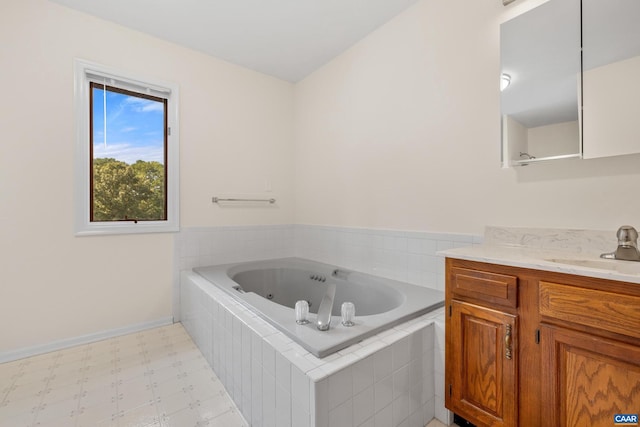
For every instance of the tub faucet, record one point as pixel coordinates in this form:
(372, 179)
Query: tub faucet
(627, 245)
(326, 306)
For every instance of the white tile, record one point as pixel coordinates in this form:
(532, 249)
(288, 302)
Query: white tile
(320, 395)
(363, 406)
(400, 408)
(439, 333)
(228, 419)
(256, 347)
(268, 358)
(416, 419)
(340, 363)
(382, 363)
(383, 393)
(342, 415)
(428, 338)
(247, 376)
(279, 342)
(401, 381)
(256, 392)
(415, 343)
(400, 353)
(268, 399)
(363, 376)
(283, 372)
(384, 417)
(442, 413)
(283, 407)
(299, 417)
(301, 360)
(439, 360)
(317, 374)
(340, 387)
(438, 381)
(415, 398)
(428, 415)
(370, 348)
(300, 390)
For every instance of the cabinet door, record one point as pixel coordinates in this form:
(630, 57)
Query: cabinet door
(586, 379)
(482, 365)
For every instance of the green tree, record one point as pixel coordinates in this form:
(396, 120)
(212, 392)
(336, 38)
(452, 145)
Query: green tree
(151, 177)
(123, 191)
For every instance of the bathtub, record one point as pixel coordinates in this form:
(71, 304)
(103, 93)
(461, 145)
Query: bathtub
(271, 288)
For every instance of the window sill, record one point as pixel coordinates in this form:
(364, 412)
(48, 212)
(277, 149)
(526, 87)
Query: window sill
(103, 229)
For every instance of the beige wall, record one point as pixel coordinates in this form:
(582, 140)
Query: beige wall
(235, 134)
(402, 131)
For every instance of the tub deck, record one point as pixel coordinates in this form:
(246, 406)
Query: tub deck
(414, 301)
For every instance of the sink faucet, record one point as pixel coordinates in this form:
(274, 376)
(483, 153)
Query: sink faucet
(326, 306)
(627, 245)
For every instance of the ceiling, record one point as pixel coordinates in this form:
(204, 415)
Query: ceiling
(287, 39)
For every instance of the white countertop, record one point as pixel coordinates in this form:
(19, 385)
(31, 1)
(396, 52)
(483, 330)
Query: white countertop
(540, 259)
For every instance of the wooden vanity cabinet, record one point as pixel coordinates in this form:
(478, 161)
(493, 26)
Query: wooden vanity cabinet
(590, 342)
(491, 353)
(533, 348)
(483, 388)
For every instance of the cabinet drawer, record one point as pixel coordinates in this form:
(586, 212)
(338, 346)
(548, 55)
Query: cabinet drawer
(602, 310)
(485, 286)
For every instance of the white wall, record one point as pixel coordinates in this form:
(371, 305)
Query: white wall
(235, 134)
(402, 131)
(554, 140)
(610, 98)
(515, 140)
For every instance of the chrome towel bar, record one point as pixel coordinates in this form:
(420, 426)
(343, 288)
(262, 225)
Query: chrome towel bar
(218, 199)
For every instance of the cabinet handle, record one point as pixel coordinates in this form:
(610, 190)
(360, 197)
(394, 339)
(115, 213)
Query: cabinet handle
(507, 342)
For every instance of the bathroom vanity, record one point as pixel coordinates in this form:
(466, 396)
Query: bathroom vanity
(535, 339)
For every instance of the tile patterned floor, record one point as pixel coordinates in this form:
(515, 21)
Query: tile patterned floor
(154, 378)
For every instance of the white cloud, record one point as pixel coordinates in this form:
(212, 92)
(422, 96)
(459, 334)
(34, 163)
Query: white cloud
(142, 105)
(128, 153)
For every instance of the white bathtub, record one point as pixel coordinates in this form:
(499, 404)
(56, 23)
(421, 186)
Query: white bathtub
(271, 289)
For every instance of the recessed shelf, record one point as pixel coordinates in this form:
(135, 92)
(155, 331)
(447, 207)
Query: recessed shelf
(525, 162)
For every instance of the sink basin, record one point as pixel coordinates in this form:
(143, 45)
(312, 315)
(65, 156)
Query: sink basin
(624, 267)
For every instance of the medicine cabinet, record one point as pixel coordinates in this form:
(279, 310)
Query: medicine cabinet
(611, 77)
(563, 98)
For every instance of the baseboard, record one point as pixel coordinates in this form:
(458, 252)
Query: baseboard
(12, 355)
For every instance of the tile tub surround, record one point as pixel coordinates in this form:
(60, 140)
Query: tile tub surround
(385, 380)
(408, 256)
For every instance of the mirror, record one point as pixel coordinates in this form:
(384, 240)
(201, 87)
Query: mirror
(540, 52)
(611, 77)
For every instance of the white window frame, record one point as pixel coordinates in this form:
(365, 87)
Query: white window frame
(84, 72)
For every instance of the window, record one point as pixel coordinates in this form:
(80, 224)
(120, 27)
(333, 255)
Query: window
(126, 153)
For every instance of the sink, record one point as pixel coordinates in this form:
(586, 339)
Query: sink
(624, 267)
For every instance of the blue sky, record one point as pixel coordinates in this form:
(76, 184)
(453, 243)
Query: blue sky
(134, 128)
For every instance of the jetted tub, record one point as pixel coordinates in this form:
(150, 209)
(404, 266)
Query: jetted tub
(271, 289)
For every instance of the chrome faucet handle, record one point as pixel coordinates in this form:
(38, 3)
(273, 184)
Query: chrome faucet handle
(627, 245)
(627, 236)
